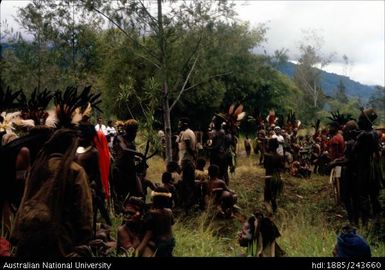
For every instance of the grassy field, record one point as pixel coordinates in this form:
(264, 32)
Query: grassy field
(307, 216)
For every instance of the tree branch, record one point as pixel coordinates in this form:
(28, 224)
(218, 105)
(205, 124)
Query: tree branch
(129, 37)
(197, 84)
(212, 77)
(184, 84)
(189, 58)
(306, 82)
(155, 21)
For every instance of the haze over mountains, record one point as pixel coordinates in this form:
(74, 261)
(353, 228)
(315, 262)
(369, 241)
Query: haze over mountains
(329, 82)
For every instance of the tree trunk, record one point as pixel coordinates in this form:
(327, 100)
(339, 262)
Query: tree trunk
(315, 95)
(163, 75)
(167, 123)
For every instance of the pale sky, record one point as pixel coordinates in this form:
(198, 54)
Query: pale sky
(351, 28)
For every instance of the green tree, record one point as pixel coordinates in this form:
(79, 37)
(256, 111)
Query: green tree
(63, 49)
(377, 101)
(308, 70)
(155, 34)
(341, 93)
(279, 58)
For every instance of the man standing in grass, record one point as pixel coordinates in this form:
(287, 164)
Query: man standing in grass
(186, 142)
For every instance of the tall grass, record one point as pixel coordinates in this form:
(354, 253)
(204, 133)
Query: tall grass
(308, 217)
(201, 236)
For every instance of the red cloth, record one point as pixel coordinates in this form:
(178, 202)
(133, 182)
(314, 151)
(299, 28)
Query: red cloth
(101, 144)
(337, 146)
(5, 248)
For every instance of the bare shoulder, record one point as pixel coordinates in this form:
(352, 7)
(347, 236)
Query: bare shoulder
(24, 151)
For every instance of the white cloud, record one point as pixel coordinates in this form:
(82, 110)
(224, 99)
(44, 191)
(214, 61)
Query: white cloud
(353, 28)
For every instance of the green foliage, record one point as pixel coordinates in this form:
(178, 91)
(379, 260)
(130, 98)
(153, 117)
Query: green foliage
(209, 56)
(377, 101)
(341, 93)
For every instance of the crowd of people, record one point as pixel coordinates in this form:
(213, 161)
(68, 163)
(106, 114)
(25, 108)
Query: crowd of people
(64, 176)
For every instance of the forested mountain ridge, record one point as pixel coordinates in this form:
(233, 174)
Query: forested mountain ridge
(330, 81)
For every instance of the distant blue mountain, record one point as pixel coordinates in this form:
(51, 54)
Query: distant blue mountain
(329, 82)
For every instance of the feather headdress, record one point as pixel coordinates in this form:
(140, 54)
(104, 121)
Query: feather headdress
(71, 106)
(271, 118)
(233, 117)
(8, 102)
(7, 120)
(340, 118)
(8, 99)
(35, 107)
(292, 122)
(257, 118)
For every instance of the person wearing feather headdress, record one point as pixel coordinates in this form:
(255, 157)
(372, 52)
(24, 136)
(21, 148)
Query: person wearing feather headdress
(24, 150)
(55, 214)
(15, 157)
(272, 119)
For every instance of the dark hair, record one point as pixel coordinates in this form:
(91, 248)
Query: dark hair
(334, 124)
(366, 119)
(87, 131)
(166, 177)
(273, 145)
(172, 166)
(135, 201)
(213, 170)
(185, 120)
(161, 201)
(201, 163)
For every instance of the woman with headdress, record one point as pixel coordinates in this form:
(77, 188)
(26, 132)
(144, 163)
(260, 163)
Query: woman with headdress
(16, 153)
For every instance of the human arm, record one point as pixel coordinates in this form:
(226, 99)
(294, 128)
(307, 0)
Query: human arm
(23, 163)
(146, 239)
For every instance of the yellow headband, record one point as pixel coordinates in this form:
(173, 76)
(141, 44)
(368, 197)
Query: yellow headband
(164, 194)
